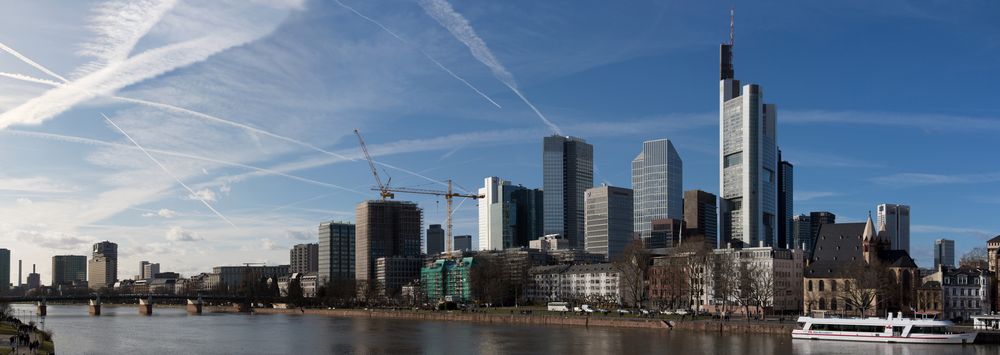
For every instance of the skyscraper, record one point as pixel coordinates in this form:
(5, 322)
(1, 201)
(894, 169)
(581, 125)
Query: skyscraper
(567, 171)
(150, 270)
(385, 229)
(748, 163)
(142, 270)
(895, 220)
(463, 242)
(4, 270)
(785, 204)
(802, 233)
(303, 258)
(435, 239)
(667, 233)
(103, 268)
(657, 182)
(701, 217)
(336, 259)
(944, 253)
(608, 220)
(509, 216)
(69, 270)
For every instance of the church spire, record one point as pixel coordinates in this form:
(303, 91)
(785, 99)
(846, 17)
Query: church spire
(869, 233)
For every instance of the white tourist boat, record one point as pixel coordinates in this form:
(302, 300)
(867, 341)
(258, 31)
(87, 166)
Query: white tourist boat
(881, 330)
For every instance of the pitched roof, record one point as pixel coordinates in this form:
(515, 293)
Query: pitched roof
(994, 240)
(839, 242)
(897, 258)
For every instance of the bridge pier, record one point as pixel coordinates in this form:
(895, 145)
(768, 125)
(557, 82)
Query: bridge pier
(194, 307)
(95, 307)
(242, 307)
(42, 308)
(146, 306)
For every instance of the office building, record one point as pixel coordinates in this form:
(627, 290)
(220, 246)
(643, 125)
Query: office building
(304, 258)
(667, 233)
(657, 184)
(786, 235)
(608, 219)
(567, 171)
(944, 253)
(393, 272)
(748, 163)
(895, 220)
(463, 242)
(385, 229)
(701, 217)
(435, 239)
(68, 270)
(509, 216)
(150, 269)
(802, 234)
(102, 271)
(549, 242)
(231, 277)
(4, 270)
(336, 252)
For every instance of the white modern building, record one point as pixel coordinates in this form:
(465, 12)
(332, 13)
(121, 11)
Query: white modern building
(593, 283)
(509, 215)
(657, 185)
(748, 163)
(895, 220)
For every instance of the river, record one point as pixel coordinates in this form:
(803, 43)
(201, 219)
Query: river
(121, 330)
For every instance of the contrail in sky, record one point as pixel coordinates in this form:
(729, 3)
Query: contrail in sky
(421, 50)
(31, 62)
(442, 12)
(167, 171)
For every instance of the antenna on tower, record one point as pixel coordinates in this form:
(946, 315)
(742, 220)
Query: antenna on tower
(732, 25)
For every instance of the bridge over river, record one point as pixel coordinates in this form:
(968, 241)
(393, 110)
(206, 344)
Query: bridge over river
(144, 300)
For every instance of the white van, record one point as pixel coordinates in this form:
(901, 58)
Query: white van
(558, 307)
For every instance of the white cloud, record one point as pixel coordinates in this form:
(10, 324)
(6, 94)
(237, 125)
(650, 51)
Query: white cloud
(268, 244)
(801, 196)
(178, 234)
(166, 213)
(923, 179)
(23, 201)
(981, 233)
(301, 236)
(34, 184)
(203, 194)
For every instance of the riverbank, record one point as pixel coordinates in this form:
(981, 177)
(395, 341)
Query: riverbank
(732, 326)
(8, 329)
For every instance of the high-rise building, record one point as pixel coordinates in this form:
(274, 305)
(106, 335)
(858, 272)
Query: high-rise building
(463, 242)
(567, 171)
(748, 163)
(69, 270)
(336, 258)
(4, 270)
(816, 220)
(895, 220)
(608, 220)
(103, 268)
(509, 216)
(435, 239)
(786, 211)
(385, 229)
(149, 270)
(802, 234)
(657, 183)
(944, 253)
(303, 258)
(667, 233)
(701, 217)
(142, 270)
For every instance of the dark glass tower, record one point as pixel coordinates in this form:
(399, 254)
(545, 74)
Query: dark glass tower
(567, 172)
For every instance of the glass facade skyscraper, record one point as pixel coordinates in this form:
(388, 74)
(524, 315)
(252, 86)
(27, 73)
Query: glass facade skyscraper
(657, 184)
(336, 252)
(567, 171)
(608, 220)
(509, 215)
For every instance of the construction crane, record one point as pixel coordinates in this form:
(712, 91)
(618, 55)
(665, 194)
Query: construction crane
(388, 192)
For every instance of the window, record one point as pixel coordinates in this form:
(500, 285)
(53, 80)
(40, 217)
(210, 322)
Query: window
(809, 285)
(821, 285)
(833, 286)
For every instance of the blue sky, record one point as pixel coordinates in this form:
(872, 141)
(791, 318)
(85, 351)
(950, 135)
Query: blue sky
(252, 104)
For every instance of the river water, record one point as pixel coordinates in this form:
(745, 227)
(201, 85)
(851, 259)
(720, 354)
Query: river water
(121, 330)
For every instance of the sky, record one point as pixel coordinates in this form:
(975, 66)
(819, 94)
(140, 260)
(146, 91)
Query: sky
(197, 134)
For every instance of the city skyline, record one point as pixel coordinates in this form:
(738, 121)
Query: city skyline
(73, 180)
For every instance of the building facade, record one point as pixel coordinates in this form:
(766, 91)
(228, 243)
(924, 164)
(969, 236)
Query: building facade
(567, 171)
(549, 242)
(667, 233)
(448, 280)
(657, 185)
(393, 272)
(608, 221)
(964, 292)
(102, 271)
(802, 234)
(463, 243)
(594, 284)
(435, 239)
(786, 206)
(944, 253)
(69, 270)
(895, 220)
(509, 215)
(4, 270)
(385, 229)
(336, 258)
(304, 258)
(701, 217)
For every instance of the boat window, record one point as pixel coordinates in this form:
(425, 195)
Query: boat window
(929, 330)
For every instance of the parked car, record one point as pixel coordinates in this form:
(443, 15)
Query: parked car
(624, 311)
(577, 309)
(681, 312)
(644, 311)
(586, 308)
(601, 310)
(667, 312)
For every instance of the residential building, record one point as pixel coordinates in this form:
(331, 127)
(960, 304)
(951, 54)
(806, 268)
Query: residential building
(964, 292)
(844, 254)
(594, 283)
(69, 270)
(435, 239)
(336, 252)
(573, 256)
(310, 284)
(786, 210)
(930, 299)
(304, 258)
(895, 220)
(463, 243)
(567, 171)
(748, 160)
(385, 229)
(944, 253)
(392, 272)
(102, 271)
(448, 280)
(666, 233)
(657, 185)
(509, 216)
(609, 220)
(701, 217)
(4, 270)
(549, 242)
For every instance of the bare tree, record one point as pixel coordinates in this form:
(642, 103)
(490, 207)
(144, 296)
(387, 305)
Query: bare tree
(862, 287)
(763, 287)
(488, 280)
(696, 265)
(977, 258)
(744, 290)
(632, 265)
